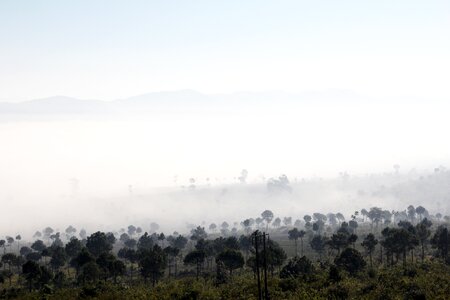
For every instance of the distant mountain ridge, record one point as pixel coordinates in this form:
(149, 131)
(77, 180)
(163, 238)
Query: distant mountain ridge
(172, 101)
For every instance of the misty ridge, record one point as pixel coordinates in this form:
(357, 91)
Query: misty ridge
(172, 101)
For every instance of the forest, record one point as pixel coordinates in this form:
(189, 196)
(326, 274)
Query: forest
(374, 253)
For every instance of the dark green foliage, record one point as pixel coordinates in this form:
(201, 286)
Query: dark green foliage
(399, 240)
(128, 254)
(198, 233)
(318, 244)
(172, 251)
(38, 246)
(60, 279)
(152, 263)
(197, 258)
(130, 243)
(81, 259)
(24, 251)
(145, 242)
(90, 272)
(9, 259)
(369, 244)
(99, 242)
(222, 276)
(423, 233)
(441, 241)
(245, 243)
(101, 270)
(58, 257)
(36, 275)
(180, 242)
(294, 235)
(8, 274)
(276, 256)
(110, 267)
(338, 292)
(232, 259)
(351, 261)
(334, 274)
(297, 267)
(34, 256)
(339, 240)
(73, 247)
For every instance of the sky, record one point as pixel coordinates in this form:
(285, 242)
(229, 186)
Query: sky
(114, 49)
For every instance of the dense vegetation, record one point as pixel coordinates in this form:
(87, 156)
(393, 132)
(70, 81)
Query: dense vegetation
(374, 254)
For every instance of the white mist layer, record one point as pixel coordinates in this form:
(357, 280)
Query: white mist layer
(104, 171)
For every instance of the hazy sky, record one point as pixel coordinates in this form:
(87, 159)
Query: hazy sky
(113, 49)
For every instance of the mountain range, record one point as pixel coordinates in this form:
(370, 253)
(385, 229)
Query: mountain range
(183, 100)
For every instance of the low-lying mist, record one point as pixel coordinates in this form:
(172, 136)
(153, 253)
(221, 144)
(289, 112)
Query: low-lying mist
(182, 167)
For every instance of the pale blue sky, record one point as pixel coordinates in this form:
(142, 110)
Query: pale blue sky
(113, 49)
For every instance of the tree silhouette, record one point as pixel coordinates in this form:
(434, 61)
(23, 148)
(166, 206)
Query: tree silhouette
(180, 242)
(73, 247)
(411, 213)
(70, 231)
(339, 240)
(332, 219)
(213, 227)
(196, 258)
(198, 233)
(18, 238)
(154, 227)
(161, 238)
(267, 216)
(9, 259)
(307, 218)
(172, 254)
(375, 215)
(98, 243)
(152, 263)
(420, 210)
(82, 258)
(441, 240)
(131, 230)
(350, 260)
(232, 259)
(82, 234)
(297, 268)
(110, 267)
(32, 272)
(294, 235)
(318, 244)
(58, 257)
(369, 244)
(287, 221)
(364, 213)
(247, 224)
(276, 223)
(423, 233)
(10, 241)
(34, 256)
(24, 251)
(38, 246)
(145, 242)
(353, 225)
(275, 255)
(90, 272)
(245, 244)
